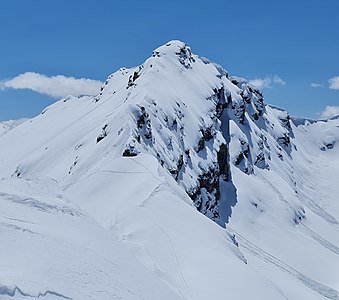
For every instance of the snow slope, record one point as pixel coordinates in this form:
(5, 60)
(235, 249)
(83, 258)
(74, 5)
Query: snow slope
(51, 249)
(177, 135)
(291, 210)
(6, 126)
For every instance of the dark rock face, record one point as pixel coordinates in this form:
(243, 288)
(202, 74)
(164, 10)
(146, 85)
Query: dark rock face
(206, 136)
(204, 159)
(133, 78)
(180, 164)
(129, 152)
(144, 124)
(239, 112)
(285, 143)
(207, 193)
(73, 164)
(185, 57)
(299, 215)
(252, 101)
(260, 161)
(328, 145)
(103, 133)
(286, 122)
(222, 158)
(284, 140)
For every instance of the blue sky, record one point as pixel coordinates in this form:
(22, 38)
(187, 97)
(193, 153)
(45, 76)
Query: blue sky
(284, 45)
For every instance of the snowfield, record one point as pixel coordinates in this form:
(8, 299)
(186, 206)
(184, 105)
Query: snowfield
(9, 125)
(51, 249)
(177, 181)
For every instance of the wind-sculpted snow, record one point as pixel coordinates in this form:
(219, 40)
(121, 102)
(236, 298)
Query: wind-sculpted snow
(155, 220)
(52, 253)
(164, 140)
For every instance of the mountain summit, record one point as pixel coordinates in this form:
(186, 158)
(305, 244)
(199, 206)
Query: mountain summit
(176, 136)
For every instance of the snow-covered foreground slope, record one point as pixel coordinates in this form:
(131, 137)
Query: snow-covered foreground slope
(155, 220)
(177, 136)
(50, 249)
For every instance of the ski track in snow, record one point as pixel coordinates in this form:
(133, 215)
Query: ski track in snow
(316, 208)
(253, 249)
(142, 205)
(271, 185)
(44, 207)
(325, 243)
(174, 255)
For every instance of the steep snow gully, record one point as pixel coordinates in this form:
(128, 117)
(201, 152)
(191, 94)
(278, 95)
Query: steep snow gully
(176, 181)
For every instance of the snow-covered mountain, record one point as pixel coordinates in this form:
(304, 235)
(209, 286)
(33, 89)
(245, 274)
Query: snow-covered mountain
(6, 126)
(162, 142)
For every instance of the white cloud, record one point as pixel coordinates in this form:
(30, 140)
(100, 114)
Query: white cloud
(277, 80)
(330, 111)
(316, 85)
(55, 86)
(261, 83)
(267, 82)
(334, 83)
